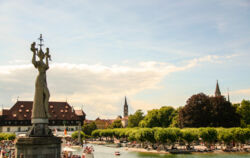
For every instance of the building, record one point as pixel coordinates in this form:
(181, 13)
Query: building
(100, 123)
(124, 120)
(105, 123)
(18, 117)
(125, 108)
(217, 90)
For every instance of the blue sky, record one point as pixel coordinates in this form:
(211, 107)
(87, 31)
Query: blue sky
(155, 52)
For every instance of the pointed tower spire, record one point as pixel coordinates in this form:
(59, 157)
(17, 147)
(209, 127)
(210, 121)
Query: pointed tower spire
(217, 90)
(125, 108)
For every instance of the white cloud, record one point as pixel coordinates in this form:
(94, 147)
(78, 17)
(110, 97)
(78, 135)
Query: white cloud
(98, 88)
(241, 92)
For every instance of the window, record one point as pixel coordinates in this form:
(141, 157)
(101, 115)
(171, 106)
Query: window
(20, 110)
(66, 110)
(61, 110)
(8, 129)
(66, 107)
(51, 106)
(25, 115)
(27, 110)
(22, 106)
(19, 129)
(14, 115)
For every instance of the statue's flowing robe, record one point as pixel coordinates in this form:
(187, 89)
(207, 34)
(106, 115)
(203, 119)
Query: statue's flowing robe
(41, 98)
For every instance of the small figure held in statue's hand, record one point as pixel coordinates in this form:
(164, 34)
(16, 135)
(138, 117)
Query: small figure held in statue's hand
(47, 54)
(33, 47)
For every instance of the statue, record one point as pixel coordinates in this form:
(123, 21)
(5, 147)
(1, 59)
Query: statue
(41, 98)
(39, 141)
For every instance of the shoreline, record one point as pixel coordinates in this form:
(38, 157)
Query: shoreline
(175, 151)
(141, 150)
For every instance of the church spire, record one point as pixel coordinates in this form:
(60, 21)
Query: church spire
(217, 90)
(125, 108)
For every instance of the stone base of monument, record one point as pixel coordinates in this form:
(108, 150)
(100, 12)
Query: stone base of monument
(38, 147)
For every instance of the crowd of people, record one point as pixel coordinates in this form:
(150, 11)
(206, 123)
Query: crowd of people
(7, 149)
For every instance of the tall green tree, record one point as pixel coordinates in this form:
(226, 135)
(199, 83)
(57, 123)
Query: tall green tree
(159, 117)
(244, 111)
(116, 124)
(88, 128)
(133, 120)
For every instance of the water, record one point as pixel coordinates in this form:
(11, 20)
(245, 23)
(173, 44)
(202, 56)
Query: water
(102, 151)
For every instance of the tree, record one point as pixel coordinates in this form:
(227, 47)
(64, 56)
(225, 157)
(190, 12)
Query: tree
(116, 124)
(88, 128)
(189, 135)
(196, 112)
(204, 111)
(223, 114)
(133, 120)
(208, 135)
(75, 135)
(175, 121)
(159, 117)
(244, 111)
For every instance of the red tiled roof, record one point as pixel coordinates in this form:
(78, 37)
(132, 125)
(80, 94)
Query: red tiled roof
(79, 113)
(58, 110)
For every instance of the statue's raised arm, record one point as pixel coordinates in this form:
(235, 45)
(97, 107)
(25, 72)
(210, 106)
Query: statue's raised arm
(34, 50)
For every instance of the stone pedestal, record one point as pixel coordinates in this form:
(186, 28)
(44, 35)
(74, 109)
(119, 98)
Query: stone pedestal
(38, 147)
(40, 128)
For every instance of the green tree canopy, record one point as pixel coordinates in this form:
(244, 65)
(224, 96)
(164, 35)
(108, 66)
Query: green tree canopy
(88, 128)
(159, 117)
(133, 120)
(244, 111)
(116, 124)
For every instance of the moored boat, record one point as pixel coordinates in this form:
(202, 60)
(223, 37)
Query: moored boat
(117, 153)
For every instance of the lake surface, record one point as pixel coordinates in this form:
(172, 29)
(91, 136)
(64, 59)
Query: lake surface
(102, 151)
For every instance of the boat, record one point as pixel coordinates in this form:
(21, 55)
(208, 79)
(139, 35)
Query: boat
(117, 153)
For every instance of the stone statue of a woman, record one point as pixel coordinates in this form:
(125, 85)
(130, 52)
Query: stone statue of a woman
(41, 98)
